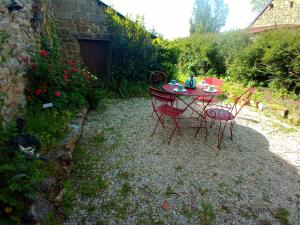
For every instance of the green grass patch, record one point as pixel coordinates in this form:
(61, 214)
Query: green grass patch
(50, 126)
(68, 199)
(282, 215)
(125, 190)
(91, 187)
(179, 168)
(207, 215)
(283, 129)
(124, 175)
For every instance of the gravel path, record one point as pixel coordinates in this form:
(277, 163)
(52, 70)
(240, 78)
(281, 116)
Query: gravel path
(255, 179)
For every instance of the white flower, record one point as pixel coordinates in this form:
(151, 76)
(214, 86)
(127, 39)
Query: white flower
(94, 77)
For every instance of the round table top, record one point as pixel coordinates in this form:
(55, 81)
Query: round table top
(198, 91)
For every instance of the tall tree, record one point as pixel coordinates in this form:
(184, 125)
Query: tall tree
(258, 5)
(208, 16)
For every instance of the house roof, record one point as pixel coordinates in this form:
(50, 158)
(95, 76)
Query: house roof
(119, 14)
(107, 6)
(261, 12)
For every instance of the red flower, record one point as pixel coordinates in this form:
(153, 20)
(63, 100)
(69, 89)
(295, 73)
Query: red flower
(27, 89)
(33, 66)
(43, 52)
(28, 98)
(65, 77)
(38, 92)
(71, 62)
(66, 72)
(74, 69)
(57, 93)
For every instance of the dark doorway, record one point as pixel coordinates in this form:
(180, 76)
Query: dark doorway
(95, 56)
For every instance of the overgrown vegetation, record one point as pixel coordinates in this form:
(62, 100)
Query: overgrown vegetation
(269, 60)
(37, 123)
(19, 178)
(135, 52)
(51, 79)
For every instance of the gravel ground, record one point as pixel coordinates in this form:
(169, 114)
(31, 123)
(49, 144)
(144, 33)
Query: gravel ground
(254, 179)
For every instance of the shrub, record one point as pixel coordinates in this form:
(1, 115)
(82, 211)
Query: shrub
(48, 126)
(233, 42)
(52, 79)
(271, 60)
(19, 178)
(200, 55)
(135, 51)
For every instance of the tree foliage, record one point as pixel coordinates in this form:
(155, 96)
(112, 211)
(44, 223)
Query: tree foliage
(136, 51)
(271, 59)
(208, 16)
(258, 5)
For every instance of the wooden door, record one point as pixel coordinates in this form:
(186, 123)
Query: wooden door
(95, 56)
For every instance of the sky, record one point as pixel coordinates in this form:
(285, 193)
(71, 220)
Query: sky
(171, 17)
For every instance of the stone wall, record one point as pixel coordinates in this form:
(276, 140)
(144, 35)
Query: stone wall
(15, 55)
(280, 13)
(79, 19)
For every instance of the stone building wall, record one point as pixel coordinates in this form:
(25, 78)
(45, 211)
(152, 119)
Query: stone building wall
(15, 55)
(79, 19)
(282, 12)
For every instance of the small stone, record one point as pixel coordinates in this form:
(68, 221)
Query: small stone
(261, 106)
(285, 113)
(166, 206)
(60, 195)
(252, 103)
(39, 210)
(48, 185)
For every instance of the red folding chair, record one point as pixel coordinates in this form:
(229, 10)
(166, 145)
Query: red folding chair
(225, 114)
(214, 81)
(158, 78)
(211, 81)
(161, 101)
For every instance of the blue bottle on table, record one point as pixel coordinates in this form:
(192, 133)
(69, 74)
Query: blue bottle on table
(191, 82)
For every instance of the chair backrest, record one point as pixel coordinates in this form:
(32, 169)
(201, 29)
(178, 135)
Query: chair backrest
(214, 81)
(161, 96)
(241, 101)
(158, 78)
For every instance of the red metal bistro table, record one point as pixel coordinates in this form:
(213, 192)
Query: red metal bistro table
(195, 93)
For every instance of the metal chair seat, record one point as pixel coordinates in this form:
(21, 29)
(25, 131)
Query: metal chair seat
(169, 110)
(219, 114)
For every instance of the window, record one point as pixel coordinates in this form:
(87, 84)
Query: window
(291, 4)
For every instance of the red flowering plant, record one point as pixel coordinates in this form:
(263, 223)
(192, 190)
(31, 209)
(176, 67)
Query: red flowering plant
(54, 80)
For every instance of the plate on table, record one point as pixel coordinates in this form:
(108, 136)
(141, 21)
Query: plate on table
(204, 85)
(176, 90)
(173, 84)
(210, 91)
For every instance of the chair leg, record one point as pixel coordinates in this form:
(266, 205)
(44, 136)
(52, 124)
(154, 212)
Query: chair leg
(203, 118)
(231, 129)
(177, 125)
(206, 131)
(159, 120)
(212, 122)
(220, 134)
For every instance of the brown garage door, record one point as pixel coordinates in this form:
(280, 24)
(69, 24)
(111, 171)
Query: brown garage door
(95, 56)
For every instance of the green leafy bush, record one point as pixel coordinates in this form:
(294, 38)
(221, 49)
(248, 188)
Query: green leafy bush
(200, 55)
(271, 60)
(49, 126)
(19, 178)
(51, 79)
(135, 51)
